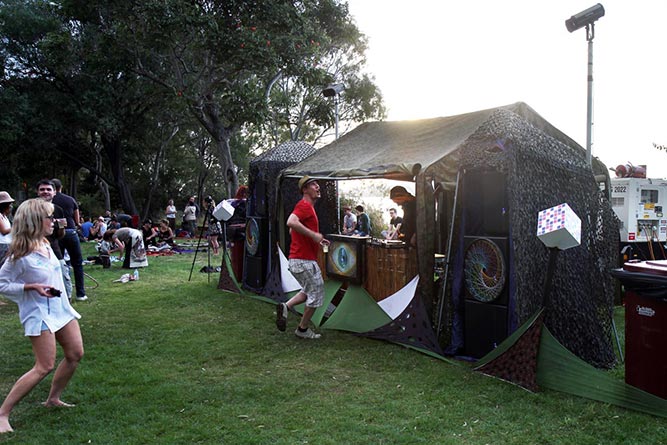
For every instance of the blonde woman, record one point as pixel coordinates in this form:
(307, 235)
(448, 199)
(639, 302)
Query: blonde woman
(31, 277)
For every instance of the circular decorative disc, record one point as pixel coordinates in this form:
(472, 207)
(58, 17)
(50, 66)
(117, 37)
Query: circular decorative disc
(484, 270)
(252, 236)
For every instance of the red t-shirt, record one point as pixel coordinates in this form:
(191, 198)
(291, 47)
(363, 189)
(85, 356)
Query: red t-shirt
(303, 247)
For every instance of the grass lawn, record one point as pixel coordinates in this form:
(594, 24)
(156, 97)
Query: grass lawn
(172, 361)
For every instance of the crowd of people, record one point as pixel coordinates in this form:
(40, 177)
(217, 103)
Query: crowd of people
(42, 245)
(39, 247)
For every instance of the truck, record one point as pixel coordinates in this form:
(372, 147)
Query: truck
(640, 204)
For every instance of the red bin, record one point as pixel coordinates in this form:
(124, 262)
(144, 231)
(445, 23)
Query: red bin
(645, 325)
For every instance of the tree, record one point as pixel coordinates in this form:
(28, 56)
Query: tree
(131, 98)
(86, 99)
(222, 58)
(299, 111)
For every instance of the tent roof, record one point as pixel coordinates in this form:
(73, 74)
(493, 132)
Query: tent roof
(290, 151)
(399, 149)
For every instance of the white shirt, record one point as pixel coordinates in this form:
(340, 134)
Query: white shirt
(33, 308)
(5, 239)
(349, 221)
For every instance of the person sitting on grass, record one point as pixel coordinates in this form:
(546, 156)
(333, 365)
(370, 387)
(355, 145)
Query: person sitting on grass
(149, 233)
(165, 234)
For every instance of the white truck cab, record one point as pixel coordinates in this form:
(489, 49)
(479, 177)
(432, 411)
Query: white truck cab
(640, 204)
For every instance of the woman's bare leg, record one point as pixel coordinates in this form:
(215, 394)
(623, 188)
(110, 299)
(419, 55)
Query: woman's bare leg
(70, 339)
(44, 349)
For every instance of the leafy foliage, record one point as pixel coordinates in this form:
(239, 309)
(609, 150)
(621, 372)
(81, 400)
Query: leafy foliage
(158, 99)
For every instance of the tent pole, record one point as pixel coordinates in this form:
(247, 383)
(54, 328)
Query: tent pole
(443, 289)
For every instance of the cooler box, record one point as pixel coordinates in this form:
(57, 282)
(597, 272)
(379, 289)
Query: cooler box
(645, 325)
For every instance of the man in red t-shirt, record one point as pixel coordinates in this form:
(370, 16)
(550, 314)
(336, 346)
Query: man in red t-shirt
(306, 241)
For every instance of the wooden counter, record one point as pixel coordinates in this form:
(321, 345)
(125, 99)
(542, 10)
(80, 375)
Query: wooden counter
(388, 270)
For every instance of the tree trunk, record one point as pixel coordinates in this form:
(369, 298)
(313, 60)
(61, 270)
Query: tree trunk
(73, 182)
(209, 116)
(114, 152)
(101, 183)
(228, 167)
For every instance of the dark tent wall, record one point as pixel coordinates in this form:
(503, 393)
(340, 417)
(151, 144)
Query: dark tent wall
(543, 172)
(265, 172)
(541, 167)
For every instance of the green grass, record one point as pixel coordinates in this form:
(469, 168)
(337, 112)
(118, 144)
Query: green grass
(172, 361)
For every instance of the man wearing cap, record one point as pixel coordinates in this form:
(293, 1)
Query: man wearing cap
(408, 203)
(5, 226)
(306, 241)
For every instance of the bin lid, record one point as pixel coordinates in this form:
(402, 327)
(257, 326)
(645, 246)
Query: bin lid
(645, 284)
(654, 267)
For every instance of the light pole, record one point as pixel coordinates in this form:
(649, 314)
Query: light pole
(587, 19)
(334, 91)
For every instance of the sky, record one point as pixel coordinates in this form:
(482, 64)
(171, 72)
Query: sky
(434, 58)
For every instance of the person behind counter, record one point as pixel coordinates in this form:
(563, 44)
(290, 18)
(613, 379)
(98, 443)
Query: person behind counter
(363, 222)
(349, 221)
(408, 203)
(394, 228)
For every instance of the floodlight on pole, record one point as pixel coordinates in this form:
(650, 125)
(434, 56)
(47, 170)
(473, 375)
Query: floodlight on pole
(587, 19)
(334, 91)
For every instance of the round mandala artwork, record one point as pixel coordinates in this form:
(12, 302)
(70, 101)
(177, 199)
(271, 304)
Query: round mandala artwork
(252, 236)
(484, 270)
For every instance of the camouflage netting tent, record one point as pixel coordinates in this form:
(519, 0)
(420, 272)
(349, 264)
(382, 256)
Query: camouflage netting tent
(264, 189)
(542, 168)
(265, 170)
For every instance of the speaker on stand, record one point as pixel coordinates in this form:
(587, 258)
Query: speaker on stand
(256, 252)
(258, 198)
(486, 261)
(486, 294)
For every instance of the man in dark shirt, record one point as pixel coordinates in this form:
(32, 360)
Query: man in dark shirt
(70, 241)
(47, 191)
(408, 203)
(363, 222)
(395, 223)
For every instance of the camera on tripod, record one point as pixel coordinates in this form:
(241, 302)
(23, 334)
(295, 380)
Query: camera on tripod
(208, 199)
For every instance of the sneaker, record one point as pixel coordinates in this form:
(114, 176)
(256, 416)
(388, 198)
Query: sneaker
(308, 333)
(82, 298)
(281, 317)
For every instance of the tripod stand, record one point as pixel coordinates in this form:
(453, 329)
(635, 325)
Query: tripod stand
(208, 250)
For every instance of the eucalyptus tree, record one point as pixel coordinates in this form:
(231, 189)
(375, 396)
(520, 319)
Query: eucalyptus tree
(222, 58)
(298, 110)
